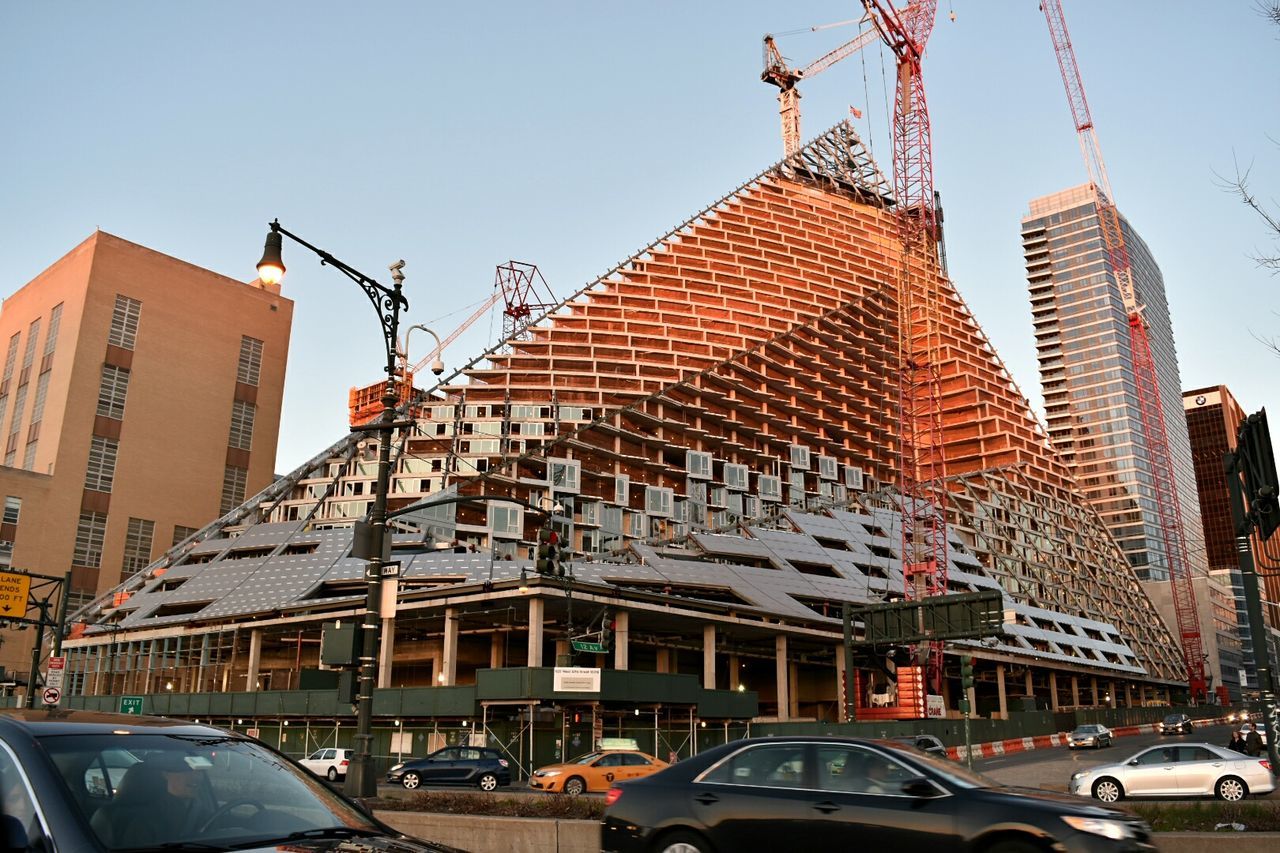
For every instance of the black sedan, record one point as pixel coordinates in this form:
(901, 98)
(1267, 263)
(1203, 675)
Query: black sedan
(90, 782)
(454, 765)
(811, 793)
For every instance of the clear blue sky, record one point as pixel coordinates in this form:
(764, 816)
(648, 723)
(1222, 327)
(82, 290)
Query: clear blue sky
(461, 135)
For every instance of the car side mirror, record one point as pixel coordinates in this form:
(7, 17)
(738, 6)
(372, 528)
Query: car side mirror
(918, 786)
(1133, 763)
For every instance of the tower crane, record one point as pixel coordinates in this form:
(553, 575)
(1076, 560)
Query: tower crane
(922, 469)
(1152, 411)
(778, 73)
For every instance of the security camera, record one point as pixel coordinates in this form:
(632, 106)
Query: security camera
(397, 266)
(437, 367)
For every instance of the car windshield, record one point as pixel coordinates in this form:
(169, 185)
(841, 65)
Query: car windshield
(1173, 718)
(152, 791)
(586, 759)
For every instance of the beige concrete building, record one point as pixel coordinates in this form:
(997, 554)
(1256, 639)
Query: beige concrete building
(139, 398)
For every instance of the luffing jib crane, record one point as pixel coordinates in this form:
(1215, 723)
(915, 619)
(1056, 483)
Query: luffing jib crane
(1152, 411)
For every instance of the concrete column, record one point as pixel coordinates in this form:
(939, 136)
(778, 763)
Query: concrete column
(842, 712)
(1000, 692)
(255, 659)
(449, 666)
(386, 652)
(1053, 691)
(709, 657)
(664, 660)
(1075, 692)
(621, 638)
(793, 692)
(1128, 695)
(782, 673)
(1030, 684)
(1111, 692)
(497, 651)
(563, 657)
(735, 672)
(535, 631)
(1093, 690)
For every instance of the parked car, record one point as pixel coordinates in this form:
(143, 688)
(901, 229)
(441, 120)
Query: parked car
(1176, 724)
(595, 771)
(814, 793)
(1091, 734)
(329, 763)
(1184, 770)
(183, 787)
(927, 744)
(454, 765)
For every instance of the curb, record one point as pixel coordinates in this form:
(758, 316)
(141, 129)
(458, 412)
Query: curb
(1026, 744)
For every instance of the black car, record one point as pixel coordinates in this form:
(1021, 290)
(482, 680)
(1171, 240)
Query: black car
(1176, 724)
(90, 782)
(812, 793)
(454, 765)
(927, 744)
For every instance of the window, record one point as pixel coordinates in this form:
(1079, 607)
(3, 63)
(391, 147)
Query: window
(698, 464)
(242, 415)
(112, 391)
(590, 512)
(622, 490)
(89, 535)
(772, 766)
(137, 546)
(859, 771)
(770, 488)
(124, 322)
(233, 480)
(735, 476)
(853, 478)
(102, 464)
(657, 500)
(51, 340)
(506, 519)
(565, 474)
(12, 509)
(250, 361)
(800, 457)
(29, 354)
(180, 533)
(827, 467)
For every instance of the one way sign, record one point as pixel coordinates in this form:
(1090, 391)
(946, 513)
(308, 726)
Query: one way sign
(14, 589)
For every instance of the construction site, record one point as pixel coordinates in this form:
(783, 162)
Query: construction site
(641, 512)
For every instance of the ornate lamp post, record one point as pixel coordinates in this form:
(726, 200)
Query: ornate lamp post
(387, 302)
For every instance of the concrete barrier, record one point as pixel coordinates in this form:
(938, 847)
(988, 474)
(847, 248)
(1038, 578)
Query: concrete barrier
(1025, 744)
(482, 834)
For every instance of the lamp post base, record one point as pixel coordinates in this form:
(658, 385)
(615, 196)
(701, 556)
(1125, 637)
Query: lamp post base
(362, 782)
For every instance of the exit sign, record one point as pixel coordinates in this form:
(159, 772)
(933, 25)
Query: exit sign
(130, 704)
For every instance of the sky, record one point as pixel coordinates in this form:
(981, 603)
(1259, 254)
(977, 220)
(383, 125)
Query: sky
(459, 136)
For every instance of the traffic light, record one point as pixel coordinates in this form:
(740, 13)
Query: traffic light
(547, 558)
(966, 672)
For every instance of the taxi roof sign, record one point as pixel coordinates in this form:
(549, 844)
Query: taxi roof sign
(14, 590)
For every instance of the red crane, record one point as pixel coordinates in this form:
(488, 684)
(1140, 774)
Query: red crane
(1153, 428)
(920, 346)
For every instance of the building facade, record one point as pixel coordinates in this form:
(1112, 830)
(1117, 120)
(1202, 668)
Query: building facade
(1086, 374)
(139, 397)
(711, 429)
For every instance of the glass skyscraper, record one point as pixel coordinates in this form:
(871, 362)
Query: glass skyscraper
(1086, 374)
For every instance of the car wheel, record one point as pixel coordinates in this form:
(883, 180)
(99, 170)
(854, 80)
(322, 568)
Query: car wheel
(1231, 789)
(411, 780)
(333, 774)
(682, 842)
(488, 782)
(1107, 790)
(574, 786)
(1013, 846)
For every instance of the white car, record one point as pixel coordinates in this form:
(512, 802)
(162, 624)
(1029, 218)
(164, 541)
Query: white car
(329, 763)
(1177, 770)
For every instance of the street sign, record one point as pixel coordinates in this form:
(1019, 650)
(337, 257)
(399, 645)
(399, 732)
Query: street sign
(57, 669)
(14, 589)
(252, 732)
(580, 646)
(51, 696)
(130, 704)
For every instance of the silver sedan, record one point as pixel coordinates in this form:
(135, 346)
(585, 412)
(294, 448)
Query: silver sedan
(1182, 770)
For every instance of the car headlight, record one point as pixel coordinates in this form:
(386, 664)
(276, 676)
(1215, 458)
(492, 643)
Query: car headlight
(1113, 829)
(395, 767)
(1080, 775)
(547, 773)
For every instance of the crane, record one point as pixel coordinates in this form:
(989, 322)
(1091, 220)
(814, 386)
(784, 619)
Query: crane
(1152, 412)
(778, 73)
(922, 469)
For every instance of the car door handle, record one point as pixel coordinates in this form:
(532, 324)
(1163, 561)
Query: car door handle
(1216, 764)
(826, 807)
(707, 799)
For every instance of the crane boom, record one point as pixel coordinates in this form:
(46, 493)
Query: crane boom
(1168, 506)
(453, 336)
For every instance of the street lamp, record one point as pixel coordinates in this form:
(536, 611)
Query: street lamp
(387, 303)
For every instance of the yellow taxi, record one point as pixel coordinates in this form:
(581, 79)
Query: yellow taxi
(595, 771)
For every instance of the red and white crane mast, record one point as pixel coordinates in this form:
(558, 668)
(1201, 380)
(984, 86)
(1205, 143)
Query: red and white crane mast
(1152, 411)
